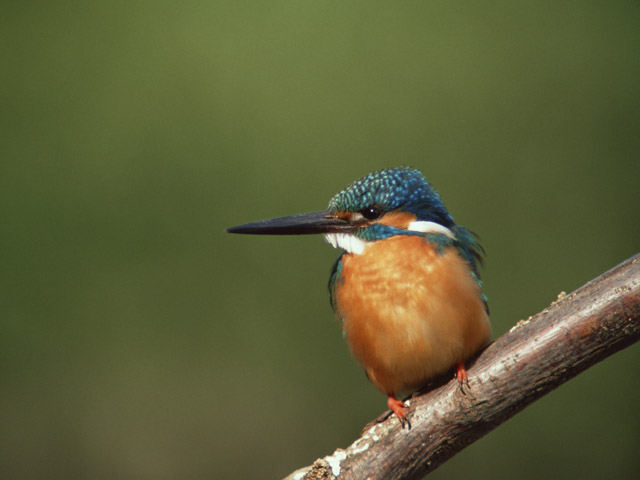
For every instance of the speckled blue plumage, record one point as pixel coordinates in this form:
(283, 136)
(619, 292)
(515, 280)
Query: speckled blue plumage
(402, 189)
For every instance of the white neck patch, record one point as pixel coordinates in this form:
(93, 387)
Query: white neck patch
(347, 242)
(430, 227)
(352, 244)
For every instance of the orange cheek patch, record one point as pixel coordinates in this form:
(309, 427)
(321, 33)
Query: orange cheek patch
(397, 219)
(343, 215)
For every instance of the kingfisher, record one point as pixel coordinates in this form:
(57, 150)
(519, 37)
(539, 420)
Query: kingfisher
(406, 285)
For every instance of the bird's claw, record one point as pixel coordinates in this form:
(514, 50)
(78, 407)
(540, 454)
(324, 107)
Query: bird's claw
(462, 377)
(398, 407)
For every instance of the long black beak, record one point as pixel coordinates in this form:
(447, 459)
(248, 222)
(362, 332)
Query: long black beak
(303, 224)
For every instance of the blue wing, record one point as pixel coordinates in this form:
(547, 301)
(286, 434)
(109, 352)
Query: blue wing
(468, 247)
(471, 250)
(336, 271)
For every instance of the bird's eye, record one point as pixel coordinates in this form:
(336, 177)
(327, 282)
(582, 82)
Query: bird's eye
(372, 212)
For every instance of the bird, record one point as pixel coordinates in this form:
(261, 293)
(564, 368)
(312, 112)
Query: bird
(405, 286)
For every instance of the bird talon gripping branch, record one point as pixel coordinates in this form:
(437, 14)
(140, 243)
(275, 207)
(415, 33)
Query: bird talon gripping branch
(461, 375)
(399, 408)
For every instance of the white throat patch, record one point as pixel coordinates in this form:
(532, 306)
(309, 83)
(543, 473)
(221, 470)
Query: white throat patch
(347, 242)
(352, 244)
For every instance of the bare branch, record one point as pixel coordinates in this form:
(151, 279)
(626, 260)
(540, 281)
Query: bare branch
(534, 357)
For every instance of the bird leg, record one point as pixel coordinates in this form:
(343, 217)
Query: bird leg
(461, 375)
(398, 407)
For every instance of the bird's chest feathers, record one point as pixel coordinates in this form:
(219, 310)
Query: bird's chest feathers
(405, 303)
(397, 278)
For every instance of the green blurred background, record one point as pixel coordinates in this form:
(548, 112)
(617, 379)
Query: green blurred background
(138, 340)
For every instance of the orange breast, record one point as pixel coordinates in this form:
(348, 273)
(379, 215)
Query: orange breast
(410, 313)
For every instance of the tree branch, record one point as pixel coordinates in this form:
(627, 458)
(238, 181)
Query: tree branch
(534, 357)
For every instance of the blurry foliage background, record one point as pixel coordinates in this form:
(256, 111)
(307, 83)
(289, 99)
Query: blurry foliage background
(138, 340)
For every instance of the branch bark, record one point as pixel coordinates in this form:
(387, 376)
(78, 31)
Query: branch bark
(534, 357)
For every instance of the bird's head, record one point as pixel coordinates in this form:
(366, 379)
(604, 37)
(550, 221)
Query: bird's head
(393, 201)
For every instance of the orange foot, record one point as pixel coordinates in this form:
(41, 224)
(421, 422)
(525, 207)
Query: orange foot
(461, 375)
(398, 407)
